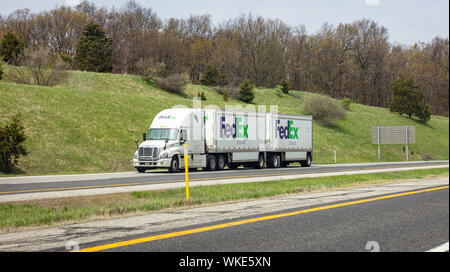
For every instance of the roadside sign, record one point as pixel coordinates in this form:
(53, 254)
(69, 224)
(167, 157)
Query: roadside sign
(393, 135)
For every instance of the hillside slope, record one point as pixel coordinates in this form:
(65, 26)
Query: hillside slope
(88, 123)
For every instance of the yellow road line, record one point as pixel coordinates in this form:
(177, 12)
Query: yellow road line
(246, 221)
(182, 180)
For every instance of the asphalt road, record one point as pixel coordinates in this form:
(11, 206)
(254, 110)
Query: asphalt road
(30, 185)
(403, 222)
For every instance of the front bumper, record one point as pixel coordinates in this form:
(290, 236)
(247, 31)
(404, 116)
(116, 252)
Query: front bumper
(160, 163)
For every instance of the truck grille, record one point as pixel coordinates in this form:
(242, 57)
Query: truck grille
(148, 153)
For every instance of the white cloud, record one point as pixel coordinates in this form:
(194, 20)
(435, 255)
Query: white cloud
(373, 2)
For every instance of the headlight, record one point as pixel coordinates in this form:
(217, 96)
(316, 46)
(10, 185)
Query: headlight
(164, 155)
(136, 155)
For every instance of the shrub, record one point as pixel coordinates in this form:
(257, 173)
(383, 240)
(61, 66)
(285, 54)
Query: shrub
(219, 89)
(12, 137)
(279, 90)
(202, 96)
(246, 92)
(41, 68)
(1, 71)
(173, 83)
(324, 110)
(230, 91)
(150, 69)
(424, 113)
(225, 96)
(345, 103)
(284, 86)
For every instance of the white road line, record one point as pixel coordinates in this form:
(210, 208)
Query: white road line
(441, 248)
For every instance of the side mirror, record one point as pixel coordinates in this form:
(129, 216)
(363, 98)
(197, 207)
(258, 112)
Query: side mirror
(144, 136)
(183, 136)
(137, 141)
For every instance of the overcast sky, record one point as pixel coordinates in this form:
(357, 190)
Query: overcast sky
(407, 21)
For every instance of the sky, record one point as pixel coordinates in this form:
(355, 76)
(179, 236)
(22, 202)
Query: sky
(407, 21)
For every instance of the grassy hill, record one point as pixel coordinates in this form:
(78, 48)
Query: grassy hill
(88, 123)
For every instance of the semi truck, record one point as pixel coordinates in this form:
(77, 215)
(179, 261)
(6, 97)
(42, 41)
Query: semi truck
(224, 138)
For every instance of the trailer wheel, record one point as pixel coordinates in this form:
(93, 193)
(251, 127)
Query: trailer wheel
(260, 163)
(308, 161)
(174, 165)
(211, 163)
(274, 161)
(221, 162)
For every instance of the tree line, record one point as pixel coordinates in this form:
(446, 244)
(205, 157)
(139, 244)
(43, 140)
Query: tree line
(350, 60)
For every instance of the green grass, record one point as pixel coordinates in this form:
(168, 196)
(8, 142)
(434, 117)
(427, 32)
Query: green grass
(68, 210)
(88, 123)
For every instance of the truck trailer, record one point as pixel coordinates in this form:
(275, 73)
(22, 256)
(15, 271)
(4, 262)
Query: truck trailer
(223, 138)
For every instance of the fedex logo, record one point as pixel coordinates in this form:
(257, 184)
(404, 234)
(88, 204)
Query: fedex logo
(234, 130)
(286, 132)
(167, 117)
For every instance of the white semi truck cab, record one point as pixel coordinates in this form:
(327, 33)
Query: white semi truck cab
(220, 138)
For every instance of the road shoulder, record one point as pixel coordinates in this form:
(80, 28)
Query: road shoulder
(71, 236)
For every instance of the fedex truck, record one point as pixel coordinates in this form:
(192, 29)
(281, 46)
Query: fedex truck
(222, 138)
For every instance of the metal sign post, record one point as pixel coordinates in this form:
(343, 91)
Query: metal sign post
(379, 150)
(406, 129)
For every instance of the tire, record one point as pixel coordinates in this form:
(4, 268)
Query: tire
(221, 162)
(308, 161)
(277, 161)
(140, 169)
(260, 163)
(211, 163)
(274, 161)
(174, 166)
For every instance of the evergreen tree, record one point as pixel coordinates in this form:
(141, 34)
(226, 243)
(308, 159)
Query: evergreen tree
(246, 95)
(407, 99)
(12, 137)
(214, 76)
(284, 86)
(94, 50)
(10, 48)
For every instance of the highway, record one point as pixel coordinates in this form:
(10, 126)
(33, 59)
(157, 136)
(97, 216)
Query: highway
(405, 216)
(72, 185)
(413, 221)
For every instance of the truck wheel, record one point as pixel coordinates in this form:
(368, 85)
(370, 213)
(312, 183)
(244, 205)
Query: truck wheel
(220, 162)
(274, 161)
(173, 165)
(211, 163)
(308, 161)
(260, 163)
(140, 169)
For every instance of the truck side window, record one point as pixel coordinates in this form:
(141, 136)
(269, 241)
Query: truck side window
(183, 136)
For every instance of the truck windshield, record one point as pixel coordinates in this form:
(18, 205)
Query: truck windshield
(162, 134)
